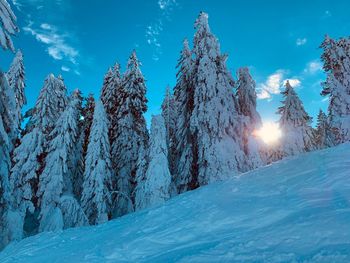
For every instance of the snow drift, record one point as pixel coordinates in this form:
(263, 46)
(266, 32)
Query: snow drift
(296, 210)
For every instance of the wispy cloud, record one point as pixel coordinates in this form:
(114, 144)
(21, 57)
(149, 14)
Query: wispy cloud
(301, 41)
(313, 67)
(64, 68)
(57, 43)
(154, 30)
(274, 83)
(293, 82)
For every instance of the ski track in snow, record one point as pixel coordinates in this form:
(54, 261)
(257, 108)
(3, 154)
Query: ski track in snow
(296, 210)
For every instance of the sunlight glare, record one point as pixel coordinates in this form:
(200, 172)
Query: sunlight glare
(269, 132)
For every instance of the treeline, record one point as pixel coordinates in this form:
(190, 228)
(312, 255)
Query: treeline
(79, 161)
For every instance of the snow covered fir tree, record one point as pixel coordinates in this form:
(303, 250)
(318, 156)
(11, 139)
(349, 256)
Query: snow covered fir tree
(295, 124)
(74, 159)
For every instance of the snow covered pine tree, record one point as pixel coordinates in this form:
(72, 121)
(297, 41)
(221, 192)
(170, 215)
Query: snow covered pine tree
(336, 59)
(5, 163)
(169, 115)
(295, 124)
(214, 121)
(183, 100)
(131, 139)
(246, 100)
(29, 156)
(8, 222)
(15, 76)
(55, 182)
(156, 186)
(96, 197)
(323, 134)
(8, 25)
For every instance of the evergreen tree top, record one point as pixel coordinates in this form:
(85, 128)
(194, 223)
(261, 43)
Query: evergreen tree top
(205, 43)
(292, 111)
(51, 102)
(134, 87)
(321, 117)
(133, 66)
(201, 23)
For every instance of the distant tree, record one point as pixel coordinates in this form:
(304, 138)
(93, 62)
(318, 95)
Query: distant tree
(131, 137)
(295, 124)
(96, 197)
(323, 134)
(8, 25)
(169, 114)
(246, 100)
(156, 186)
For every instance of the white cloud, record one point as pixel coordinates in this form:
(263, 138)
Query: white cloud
(263, 94)
(301, 41)
(313, 66)
(64, 68)
(57, 43)
(274, 83)
(293, 82)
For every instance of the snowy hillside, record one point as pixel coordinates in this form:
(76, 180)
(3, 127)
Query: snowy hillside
(297, 210)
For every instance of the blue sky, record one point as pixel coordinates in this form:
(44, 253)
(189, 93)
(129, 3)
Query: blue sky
(80, 39)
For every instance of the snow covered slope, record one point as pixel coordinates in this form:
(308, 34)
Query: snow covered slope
(296, 210)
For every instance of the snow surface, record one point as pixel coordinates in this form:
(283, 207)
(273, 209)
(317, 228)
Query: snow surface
(296, 210)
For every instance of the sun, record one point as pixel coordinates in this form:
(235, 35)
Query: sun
(269, 133)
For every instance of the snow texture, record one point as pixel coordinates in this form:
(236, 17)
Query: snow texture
(296, 210)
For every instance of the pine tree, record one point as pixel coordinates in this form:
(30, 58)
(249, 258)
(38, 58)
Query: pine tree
(214, 122)
(183, 100)
(96, 197)
(56, 178)
(111, 96)
(323, 134)
(336, 59)
(5, 163)
(295, 125)
(131, 138)
(29, 156)
(169, 115)
(8, 25)
(246, 101)
(109, 93)
(156, 186)
(86, 118)
(16, 76)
